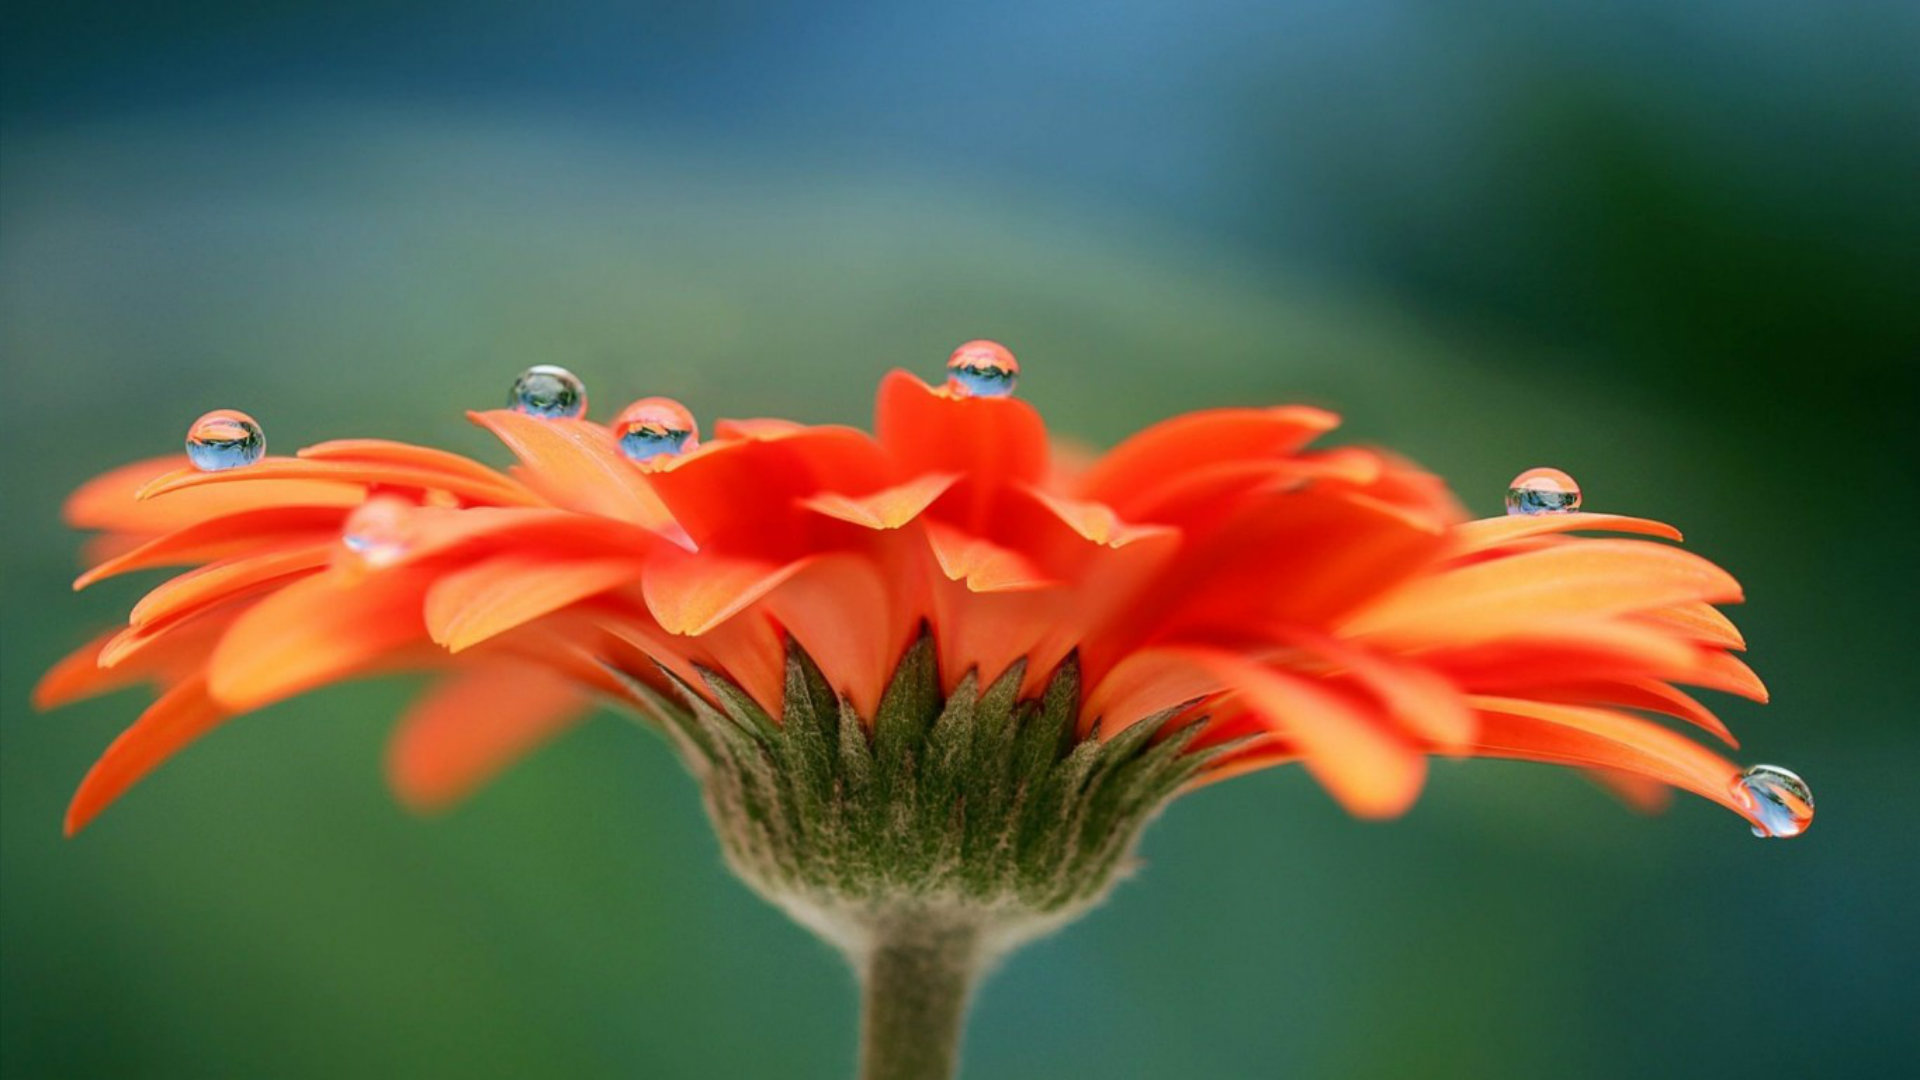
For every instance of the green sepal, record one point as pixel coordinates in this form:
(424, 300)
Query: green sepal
(974, 799)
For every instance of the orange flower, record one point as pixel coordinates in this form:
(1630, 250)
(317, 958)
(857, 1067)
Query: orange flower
(1327, 606)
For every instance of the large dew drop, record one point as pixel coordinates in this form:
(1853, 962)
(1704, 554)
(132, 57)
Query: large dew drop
(1781, 800)
(549, 392)
(655, 427)
(377, 530)
(982, 369)
(225, 439)
(1542, 491)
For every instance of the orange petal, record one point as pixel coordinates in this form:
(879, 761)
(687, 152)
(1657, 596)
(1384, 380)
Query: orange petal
(888, 508)
(1573, 735)
(472, 725)
(421, 458)
(221, 581)
(1721, 671)
(1145, 683)
(576, 464)
(1504, 596)
(1302, 558)
(285, 479)
(1702, 623)
(180, 716)
(841, 611)
(318, 630)
(1177, 448)
(1094, 522)
(991, 441)
(1487, 533)
(1426, 704)
(109, 501)
(1648, 694)
(1559, 653)
(79, 675)
(692, 594)
(1371, 771)
(982, 565)
(468, 606)
(220, 537)
(743, 491)
(1646, 795)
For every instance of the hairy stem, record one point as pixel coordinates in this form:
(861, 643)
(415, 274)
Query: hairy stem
(915, 984)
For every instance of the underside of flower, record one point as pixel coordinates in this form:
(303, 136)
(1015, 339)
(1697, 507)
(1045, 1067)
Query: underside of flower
(972, 808)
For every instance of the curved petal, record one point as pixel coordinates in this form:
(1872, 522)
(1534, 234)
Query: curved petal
(888, 508)
(221, 537)
(1175, 449)
(692, 594)
(841, 610)
(1573, 735)
(473, 724)
(471, 605)
(180, 716)
(992, 441)
(219, 582)
(297, 481)
(111, 500)
(1371, 771)
(576, 464)
(419, 458)
(1485, 533)
(1504, 596)
(317, 630)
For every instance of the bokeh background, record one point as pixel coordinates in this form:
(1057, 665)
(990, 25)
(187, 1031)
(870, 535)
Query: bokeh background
(1672, 248)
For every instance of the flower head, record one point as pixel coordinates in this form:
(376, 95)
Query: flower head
(1216, 576)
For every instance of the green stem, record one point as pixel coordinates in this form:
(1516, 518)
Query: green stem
(915, 984)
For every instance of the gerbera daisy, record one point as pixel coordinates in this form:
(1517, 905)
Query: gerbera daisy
(933, 680)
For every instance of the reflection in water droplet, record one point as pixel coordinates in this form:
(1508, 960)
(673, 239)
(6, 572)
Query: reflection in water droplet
(655, 427)
(982, 369)
(1542, 491)
(225, 439)
(1781, 800)
(377, 530)
(549, 392)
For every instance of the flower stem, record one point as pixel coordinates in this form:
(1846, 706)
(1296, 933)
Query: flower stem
(915, 984)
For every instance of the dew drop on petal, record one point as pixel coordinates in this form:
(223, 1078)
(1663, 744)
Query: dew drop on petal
(225, 439)
(1542, 491)
(982, 369)
(549, 392)
(1781, 800)
(655, 427)
(377, 530)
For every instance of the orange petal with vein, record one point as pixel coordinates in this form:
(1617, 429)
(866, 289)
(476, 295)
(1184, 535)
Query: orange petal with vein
(318, 630)
(110, 501)
(1592, 578)
(576, 464)
(470, 605)
(692, 595)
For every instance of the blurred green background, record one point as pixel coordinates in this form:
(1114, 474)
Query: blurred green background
(1673, 249)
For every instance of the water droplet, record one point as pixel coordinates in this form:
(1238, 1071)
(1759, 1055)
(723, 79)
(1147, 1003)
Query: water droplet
(225, 439)
(982, 369)
(377, 530)
(1543, 491)
(1781, 800)
(549, 392)
(655, 427)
